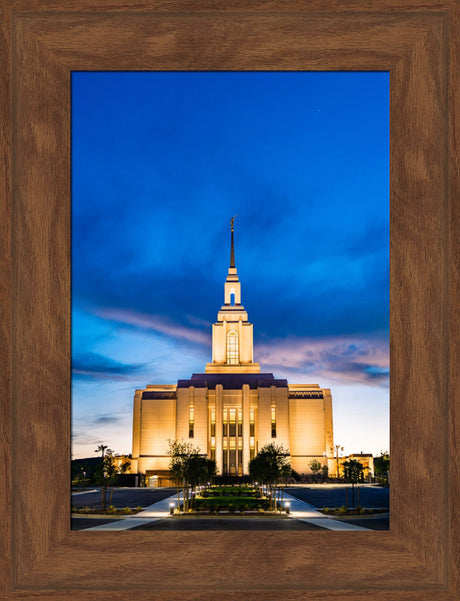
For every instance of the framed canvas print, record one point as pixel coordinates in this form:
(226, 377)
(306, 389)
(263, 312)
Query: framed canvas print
(42, 45)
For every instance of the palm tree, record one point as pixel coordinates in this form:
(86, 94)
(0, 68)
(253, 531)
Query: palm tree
(102, 448)
(337, 449)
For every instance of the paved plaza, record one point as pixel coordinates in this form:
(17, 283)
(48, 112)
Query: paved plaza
(304, 515)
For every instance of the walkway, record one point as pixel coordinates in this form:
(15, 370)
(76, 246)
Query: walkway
(308, 513)
(304, 512)
(152, 513)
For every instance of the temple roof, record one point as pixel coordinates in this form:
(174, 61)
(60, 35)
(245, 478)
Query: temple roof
(232, 381)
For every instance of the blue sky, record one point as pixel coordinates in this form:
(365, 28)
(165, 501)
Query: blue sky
(160, 162)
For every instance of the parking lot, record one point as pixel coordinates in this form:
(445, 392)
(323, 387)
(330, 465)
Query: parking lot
(123, 497)
(334, 495)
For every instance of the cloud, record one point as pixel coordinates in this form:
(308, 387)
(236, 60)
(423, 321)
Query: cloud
(105, 419)
(156, 323)
(83, 438)
(94, 365)
(341, 359)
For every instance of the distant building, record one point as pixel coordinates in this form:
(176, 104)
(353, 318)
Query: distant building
(365, 459)
(232, 409)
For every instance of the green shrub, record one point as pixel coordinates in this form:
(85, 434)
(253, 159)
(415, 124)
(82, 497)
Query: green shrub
(230, 498)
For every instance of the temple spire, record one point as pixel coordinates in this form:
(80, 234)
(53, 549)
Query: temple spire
(232, 250)
(232, 339)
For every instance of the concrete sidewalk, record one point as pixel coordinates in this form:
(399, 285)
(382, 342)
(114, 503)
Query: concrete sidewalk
(300, 510)
(152, 513)
(84, 492)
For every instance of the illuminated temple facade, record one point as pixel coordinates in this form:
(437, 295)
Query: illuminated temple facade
(232, 409)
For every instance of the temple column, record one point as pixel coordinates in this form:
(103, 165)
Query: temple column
(219, 403)
(246, 454)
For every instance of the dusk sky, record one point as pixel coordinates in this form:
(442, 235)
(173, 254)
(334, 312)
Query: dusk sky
(160, 163)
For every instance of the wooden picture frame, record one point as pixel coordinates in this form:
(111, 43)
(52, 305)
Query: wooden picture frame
(42, 42)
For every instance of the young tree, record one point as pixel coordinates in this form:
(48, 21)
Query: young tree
(189, 468)
(315, 466)
(115, 471)
(196, 470)
(286, 472)
(178, 451)
(352, 472)
(269, 465)
(103, 475)
(99, 475)
(107, 472)
(382, 465)
(110, 472)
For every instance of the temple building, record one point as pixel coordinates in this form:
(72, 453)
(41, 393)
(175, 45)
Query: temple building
(232, 409)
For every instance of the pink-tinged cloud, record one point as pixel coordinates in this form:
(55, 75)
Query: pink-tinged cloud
(155, 323)
(344, 359)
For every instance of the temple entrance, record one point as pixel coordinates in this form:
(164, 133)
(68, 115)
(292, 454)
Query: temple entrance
(232, 441)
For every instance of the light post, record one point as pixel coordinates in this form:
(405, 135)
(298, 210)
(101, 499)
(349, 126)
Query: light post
(171, 508)
(287, 506)
(337, 449)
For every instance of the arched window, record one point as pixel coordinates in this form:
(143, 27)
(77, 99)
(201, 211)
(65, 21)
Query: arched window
(232, 347)
(232, 299)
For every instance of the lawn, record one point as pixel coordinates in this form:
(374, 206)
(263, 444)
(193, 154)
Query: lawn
(231, 498)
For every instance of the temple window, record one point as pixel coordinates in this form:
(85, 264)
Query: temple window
(273, 422)
(191, 422)
(232, 347)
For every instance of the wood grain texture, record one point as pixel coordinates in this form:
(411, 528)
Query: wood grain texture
(454, 304)
(41, 43)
